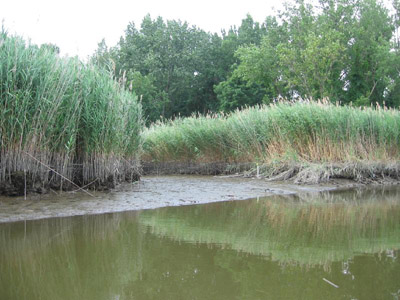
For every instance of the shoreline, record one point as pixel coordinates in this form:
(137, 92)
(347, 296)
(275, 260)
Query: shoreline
(360, 172)
(154, 192)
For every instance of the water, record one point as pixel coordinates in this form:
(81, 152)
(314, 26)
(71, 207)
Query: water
(342, 245)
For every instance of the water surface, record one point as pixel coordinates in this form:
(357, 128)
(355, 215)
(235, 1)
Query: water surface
(338, 245)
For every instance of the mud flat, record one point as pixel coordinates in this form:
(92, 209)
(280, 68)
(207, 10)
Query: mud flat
(151, 192)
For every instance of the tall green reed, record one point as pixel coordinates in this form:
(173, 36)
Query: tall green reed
(308, 132)
(61, 114)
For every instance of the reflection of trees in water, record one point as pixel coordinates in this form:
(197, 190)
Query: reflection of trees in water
(104, 257)
(179, 255)
(309, 229)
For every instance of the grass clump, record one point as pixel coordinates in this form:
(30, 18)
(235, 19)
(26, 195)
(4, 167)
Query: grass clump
(59, 116)
(283, 136)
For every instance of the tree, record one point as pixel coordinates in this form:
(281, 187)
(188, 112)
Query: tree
(370, 54)
(259, 64)
(166, 52)
(344, 52)
(236, 93)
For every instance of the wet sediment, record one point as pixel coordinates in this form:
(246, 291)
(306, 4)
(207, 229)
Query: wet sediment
(22, 183)
(148, 193)
(195, 168)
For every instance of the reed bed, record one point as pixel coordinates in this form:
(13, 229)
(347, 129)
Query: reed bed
(62, 121)
(286, 136)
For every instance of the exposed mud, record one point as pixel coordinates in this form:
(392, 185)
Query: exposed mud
(179, 168)
(150, 192)
(23, 183)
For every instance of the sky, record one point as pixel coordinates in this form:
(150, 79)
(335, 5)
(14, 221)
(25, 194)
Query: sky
(77, 26)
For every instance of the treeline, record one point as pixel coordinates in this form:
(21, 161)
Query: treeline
(345, 51)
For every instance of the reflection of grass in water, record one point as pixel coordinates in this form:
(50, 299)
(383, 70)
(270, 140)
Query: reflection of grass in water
(62, 259)
(308, 229)
(101, 257)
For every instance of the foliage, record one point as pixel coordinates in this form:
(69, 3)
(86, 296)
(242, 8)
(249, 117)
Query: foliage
(174, 67)
(165, 54)
(345, 51)
(58, 112)
(236, 93)
(306, 132)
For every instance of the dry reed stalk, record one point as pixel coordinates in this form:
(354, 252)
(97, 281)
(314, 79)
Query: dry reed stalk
(57, 173)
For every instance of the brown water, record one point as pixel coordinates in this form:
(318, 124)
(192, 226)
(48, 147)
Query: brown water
(324, 246)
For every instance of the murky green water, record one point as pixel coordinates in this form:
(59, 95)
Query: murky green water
(327, 246)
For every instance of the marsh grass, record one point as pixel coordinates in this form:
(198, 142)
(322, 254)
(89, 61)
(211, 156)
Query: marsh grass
(284, 137)
(72, 117)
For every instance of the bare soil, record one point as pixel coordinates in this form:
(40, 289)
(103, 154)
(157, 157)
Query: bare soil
(151, 192)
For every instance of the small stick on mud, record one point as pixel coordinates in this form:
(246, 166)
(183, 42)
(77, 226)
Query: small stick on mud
(81, 188)
(331, 283)
(229, 176)
(58, 173)
(51, 190)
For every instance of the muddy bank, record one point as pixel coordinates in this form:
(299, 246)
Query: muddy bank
(190, 168)
(22, 183)
(294, 172)
(150, 192)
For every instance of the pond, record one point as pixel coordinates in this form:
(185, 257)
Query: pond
(329, 245)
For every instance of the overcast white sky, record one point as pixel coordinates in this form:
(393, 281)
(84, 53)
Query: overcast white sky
(77, 26)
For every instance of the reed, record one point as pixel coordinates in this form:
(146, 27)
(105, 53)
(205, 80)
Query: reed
(61, 116)
(301, 133)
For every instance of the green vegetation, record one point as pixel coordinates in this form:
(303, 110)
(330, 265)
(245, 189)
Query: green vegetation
(344, 51)
(59, 116)
(285, 132)
(62, 120)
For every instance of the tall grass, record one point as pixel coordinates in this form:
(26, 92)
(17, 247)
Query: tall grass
(301, 132)
(61, 114)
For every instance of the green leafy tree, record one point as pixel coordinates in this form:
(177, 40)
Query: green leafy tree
(344, 50)
(167, 53)
(369, 53)
(236, 92)
(259, 64)
(146, 90)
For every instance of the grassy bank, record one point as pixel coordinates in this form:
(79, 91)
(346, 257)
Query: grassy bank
(62, 121)
(313, 140)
